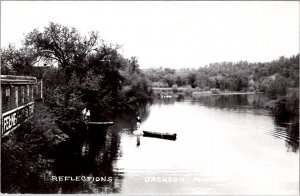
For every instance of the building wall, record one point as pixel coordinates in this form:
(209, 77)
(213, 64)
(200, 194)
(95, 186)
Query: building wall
(14, 96)
(17, 101)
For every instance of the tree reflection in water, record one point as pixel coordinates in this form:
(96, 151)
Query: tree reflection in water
(93, 153)
(286, 126)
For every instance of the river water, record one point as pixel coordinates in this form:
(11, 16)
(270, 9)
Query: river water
(224, 145)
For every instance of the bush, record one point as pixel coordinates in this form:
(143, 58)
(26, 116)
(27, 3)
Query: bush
(215, 91)
(251, 89)
(197, 89)
(24, 153)
(292, 102)
(277, 88)
(175, 88)
(188, 91)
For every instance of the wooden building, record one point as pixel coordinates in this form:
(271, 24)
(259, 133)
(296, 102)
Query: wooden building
(17, 101)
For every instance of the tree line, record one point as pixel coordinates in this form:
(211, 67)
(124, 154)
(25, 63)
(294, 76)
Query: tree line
(279, 79)
(90, 73)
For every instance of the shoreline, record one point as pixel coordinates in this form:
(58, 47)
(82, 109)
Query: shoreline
(237, 93)
(207, 92)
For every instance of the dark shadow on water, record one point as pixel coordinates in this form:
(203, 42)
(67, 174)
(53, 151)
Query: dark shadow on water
(126, 121)
(91, 153)
(230, 101)
(287, 128)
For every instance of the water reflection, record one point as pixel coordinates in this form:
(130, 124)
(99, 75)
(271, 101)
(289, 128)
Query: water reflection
(91, 153)
(233, 130)
(287, 126)
(255, 101)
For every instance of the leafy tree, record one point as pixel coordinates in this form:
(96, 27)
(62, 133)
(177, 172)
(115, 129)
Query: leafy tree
(192, 79)
(277, 87)
(170, 79)
(179, 81)
(63, 45)
(17, 61)
(292, 101)
(90, 73)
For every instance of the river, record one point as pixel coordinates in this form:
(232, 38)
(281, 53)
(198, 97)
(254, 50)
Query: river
(224, 145)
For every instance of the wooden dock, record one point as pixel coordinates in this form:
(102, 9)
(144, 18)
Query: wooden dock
(100, 123)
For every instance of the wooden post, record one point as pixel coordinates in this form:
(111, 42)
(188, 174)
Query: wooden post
(42, 90)
(138, 141)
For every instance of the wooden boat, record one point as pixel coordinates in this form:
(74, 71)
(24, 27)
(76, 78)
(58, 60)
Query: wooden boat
(100, 124)
(169, 136)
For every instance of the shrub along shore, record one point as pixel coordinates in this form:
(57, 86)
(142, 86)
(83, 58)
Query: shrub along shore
(26, 151)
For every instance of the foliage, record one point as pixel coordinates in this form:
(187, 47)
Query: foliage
(239, 76)
(23, 153)
(17, 61)
(86, 72)
(272, 78)
(215, 91)
(292, 101)
(63, 45)
(175, 88)
(277, 87)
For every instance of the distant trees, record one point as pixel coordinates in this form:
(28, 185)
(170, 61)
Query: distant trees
(277, 87)
(162, 77)
(238, 76)
(135, 83)
(274, 78)
(170, 79)
(191, 78)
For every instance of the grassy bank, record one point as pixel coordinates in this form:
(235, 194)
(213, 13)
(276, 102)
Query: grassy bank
(25, 153)
(199, 92)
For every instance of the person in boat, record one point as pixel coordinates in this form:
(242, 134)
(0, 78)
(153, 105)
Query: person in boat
(138, 119)
(138, 140)
(138, 122)
(86, 115)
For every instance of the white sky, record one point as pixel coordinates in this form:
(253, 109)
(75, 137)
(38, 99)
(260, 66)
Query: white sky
(169, 34)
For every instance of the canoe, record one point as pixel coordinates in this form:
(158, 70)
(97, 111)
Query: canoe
(169, 136)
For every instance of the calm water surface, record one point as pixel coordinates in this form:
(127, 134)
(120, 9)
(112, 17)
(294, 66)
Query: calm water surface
(225, 145)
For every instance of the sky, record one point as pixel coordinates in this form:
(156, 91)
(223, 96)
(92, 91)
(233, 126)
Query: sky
(171, 34)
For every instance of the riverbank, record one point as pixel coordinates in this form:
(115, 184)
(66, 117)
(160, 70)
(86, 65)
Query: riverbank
(25, 152)
(236, 93)
(196, 92)
(211, 93)
(283, 105)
